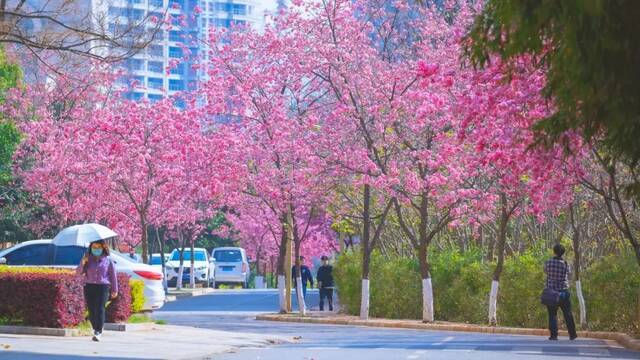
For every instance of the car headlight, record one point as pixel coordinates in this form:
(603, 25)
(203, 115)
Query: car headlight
(201, 268)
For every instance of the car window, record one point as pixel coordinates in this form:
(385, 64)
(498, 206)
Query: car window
(199, 256)
(156, 260)
(68, 255)
(36, 254)
(227, 255)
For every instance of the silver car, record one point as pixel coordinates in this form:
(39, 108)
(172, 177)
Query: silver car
(231, 266)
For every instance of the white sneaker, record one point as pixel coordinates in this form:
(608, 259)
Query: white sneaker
(96, 336)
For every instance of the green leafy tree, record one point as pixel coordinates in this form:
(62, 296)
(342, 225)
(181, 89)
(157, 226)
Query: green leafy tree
(14, 212)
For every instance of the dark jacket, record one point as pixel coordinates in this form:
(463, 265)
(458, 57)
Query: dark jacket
(306, 275)
(325, 276)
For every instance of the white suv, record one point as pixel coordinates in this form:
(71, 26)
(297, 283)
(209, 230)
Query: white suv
(231, 266)
(44, 253)
(202, 270)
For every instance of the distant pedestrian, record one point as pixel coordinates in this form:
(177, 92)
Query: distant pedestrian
(325, 282)
(100, 283)
(557, 270)
(133, 255)
(306, 276)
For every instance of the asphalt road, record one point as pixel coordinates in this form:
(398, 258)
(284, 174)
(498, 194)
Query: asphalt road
(235, 311)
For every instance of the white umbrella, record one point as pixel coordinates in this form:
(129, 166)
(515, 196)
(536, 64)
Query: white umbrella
(82, 235)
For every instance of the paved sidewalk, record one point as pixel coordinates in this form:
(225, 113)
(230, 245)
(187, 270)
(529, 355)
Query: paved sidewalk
(161, 342)
(332, 318)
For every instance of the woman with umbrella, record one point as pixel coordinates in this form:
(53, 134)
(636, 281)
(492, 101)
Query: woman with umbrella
(100, 283)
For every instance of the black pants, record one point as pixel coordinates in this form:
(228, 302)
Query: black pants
(96, 296)
(328, 293)
(565, 305)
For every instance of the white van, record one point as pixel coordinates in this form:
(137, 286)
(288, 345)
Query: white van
(231, 266)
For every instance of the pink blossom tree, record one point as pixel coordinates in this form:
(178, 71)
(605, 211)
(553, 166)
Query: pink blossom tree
(500, 112)
(253, 87)
(129, 165)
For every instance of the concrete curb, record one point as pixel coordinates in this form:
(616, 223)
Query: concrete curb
(623, 339)
(173, 296)
(32, 330)
(129, 327)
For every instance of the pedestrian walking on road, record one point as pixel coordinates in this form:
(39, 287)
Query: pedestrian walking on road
(325, 282)
(100, 283)
(557, 270)
(306, 276)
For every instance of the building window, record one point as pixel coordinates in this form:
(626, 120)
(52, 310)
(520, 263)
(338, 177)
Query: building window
(139, 80)
(175, 52)
(134, 96)
(117, 11)
(238, 9)
(176, 85)
(135, 14)
(134, 64)
(156, 3)
(156, 50)
(154, 97)
(192, 85)
(176, 36)
(155, 83)
(178, 69)
(223, 23)
(176, 4)
(133, 2)
(155, 66)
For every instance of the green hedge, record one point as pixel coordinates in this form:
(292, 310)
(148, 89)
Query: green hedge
(462, 282)
(612, 294)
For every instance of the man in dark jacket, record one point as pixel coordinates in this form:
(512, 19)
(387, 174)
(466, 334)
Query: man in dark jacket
(325, 283)
(306, 276)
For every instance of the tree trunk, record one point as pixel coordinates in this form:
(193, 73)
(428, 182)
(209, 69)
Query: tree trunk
(145, 242)
(577, 255)
(502, 239)
(281, 271)
(164, 266)
(192, 278)
(181, 264)
(366, 253)
(427, 288)
(423, 241)
(300, 295)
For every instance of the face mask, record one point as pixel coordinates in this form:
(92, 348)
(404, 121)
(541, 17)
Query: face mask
(96, 252)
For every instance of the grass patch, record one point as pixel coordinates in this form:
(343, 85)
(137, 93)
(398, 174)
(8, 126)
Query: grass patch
(139, 319)
(9, 321)
(161, 322)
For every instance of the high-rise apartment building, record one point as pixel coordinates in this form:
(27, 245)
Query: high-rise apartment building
(165, 67)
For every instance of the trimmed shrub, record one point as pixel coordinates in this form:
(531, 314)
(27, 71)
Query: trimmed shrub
(119, 310)
(466, 299)
(43, 298)
(395, 285)
(612, 294)
(521, 283)
(347, 272)
(462, 282)
(458, 284)
(34, 270)
(137, 295)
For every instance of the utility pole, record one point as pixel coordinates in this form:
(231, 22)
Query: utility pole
(287, 261)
